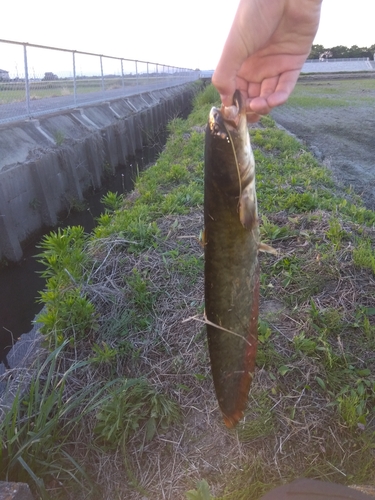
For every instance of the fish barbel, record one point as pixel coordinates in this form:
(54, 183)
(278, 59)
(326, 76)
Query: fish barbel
(231, 245)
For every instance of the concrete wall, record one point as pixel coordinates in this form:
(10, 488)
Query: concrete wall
(46, 165)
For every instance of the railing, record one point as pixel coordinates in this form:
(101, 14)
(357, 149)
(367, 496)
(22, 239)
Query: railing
(36, 79)
(342, 59)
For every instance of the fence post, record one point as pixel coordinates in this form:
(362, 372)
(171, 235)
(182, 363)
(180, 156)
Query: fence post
(122, 74)
(136, 74)
(101, 71)
(27, 84)
(148, 76)
(74, 79)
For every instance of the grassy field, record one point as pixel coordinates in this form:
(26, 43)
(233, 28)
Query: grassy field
(333, 116)
(15, 91)
(334, 93)
(122, 402)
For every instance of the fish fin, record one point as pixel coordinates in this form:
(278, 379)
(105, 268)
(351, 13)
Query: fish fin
(231, 418)
(248, 211)
(263, 247)
(202, 238)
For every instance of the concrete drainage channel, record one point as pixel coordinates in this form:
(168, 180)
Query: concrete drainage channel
(48, 164)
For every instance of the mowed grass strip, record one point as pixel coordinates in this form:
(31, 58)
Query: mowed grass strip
(332, 93)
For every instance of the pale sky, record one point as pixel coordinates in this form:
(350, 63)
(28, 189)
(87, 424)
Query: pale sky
(183, 33)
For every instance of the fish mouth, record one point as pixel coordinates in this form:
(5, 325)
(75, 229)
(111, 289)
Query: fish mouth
(216, 124)
(227, 118)
(232, 114)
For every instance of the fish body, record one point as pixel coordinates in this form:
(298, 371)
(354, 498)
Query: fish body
(231, 243)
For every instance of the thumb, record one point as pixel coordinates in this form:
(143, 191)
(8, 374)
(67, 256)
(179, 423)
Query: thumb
(225, 85)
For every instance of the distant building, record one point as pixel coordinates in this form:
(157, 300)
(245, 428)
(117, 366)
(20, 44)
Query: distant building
(325, 55)
(50, 76)
(4, 75)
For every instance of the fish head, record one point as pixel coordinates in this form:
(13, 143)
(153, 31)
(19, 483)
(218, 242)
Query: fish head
(229, 153)
(217, 126)
(220, 155)
(228, 119)
(229, 144)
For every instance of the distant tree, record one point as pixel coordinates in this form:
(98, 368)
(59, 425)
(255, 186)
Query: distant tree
(340, 51)
(355, 51)
(363, 52)
(316, 50)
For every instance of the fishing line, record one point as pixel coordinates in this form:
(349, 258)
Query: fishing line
(235, 159)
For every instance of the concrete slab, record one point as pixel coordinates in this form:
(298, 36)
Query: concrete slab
(18, 142)
(15, 491)
(63, 127)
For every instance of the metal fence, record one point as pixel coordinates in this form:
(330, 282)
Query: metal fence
(342, 59)
(36, 79)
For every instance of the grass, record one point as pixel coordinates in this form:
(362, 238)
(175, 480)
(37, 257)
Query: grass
(127, 397)
(15, 91)
(39, 428)
(332, 94)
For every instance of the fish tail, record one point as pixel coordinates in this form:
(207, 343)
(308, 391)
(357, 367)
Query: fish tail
(231, 421)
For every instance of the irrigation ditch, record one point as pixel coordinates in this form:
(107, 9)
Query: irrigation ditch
(20, 282)
(117, 148)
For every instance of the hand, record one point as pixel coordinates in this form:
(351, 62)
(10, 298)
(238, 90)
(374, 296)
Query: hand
(265, 50)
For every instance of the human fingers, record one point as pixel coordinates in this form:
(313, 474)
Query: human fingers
(227, 88)
(257, 105)
(252, 117)
(252, 89)
(258, 94)
(225, 84)
(283, 89)
(273, 92)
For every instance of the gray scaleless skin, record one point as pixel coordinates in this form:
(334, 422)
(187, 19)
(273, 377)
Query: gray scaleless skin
(231, 240)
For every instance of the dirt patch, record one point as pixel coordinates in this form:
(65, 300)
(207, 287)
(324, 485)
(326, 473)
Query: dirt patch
(340, 133)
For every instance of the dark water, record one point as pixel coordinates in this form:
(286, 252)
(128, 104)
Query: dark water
(21, 282)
